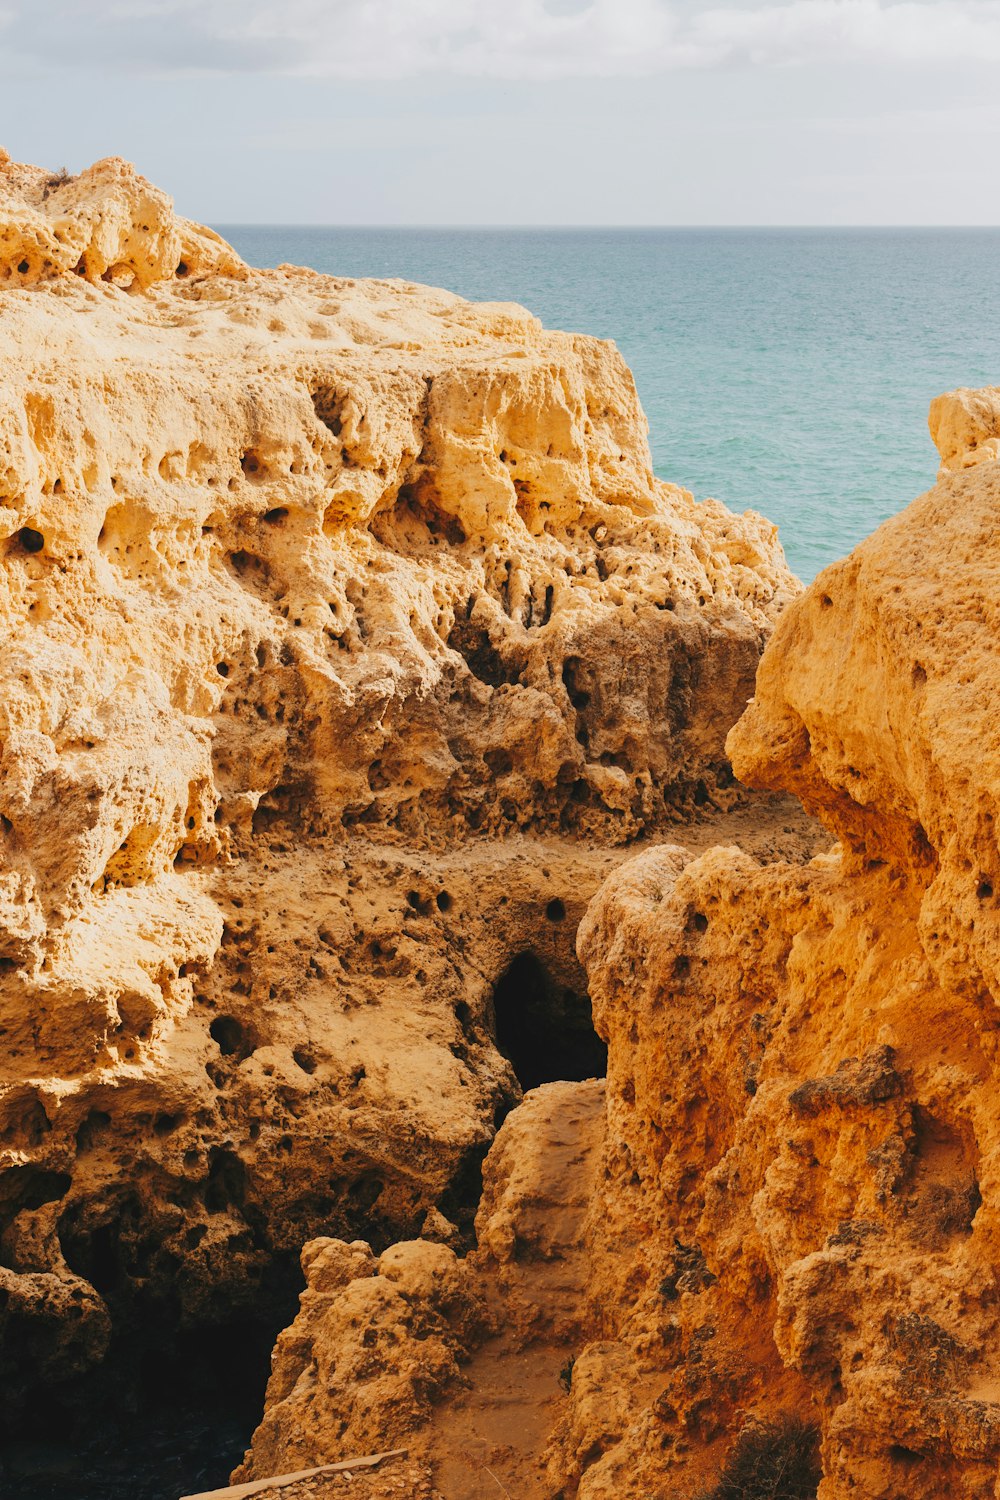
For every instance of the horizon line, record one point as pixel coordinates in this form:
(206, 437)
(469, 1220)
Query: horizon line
(606, 228)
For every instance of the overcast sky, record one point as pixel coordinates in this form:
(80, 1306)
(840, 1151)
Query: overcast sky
(520, 111)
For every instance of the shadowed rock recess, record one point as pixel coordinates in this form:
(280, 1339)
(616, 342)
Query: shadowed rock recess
(348, 641)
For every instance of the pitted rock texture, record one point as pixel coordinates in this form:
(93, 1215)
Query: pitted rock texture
(802, 1062)
(106, 224)
(294, 569)
(373, 1347)
(794, 1211)
(464, 1361)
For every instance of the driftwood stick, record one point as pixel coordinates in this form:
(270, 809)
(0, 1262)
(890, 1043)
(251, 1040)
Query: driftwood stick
(278, 1481)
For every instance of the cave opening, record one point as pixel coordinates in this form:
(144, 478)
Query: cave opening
(154, 1422)
(172, 1405)
(543, 1028)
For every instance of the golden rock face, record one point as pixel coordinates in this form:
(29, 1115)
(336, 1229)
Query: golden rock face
(790, 1201)
(803, 1071)
(311, 589)
(106, 224)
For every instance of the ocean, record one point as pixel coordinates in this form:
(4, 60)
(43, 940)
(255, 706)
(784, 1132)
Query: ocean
(785, 370)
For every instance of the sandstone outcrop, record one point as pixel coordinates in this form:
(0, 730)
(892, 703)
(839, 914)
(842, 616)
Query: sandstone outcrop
(965, 426)
(465, 1361)
(348, 635)
(794, 1218)
(801, 1081)
(107, 224)
(373, 1347)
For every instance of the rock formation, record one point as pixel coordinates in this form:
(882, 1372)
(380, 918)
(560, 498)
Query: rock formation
(965, 426)
(794, 1221)
(348, 640)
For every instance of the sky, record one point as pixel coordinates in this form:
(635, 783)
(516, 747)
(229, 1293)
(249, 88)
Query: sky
(519, 112)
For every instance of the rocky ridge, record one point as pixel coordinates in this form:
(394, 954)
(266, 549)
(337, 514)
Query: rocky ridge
(792, 1215)
(350, 639)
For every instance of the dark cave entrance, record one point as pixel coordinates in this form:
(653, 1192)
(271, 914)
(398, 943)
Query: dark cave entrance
(145, 1429)
(173, 1406)
(544, 1029)
(169, 1411)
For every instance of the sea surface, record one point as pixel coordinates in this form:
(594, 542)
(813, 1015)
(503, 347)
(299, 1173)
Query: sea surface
(785, 370)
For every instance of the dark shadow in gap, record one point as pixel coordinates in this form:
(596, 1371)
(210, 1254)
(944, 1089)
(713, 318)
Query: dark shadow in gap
(545, 1030)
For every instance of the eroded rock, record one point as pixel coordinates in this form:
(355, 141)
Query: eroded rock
(348, 633)
(790, 1213)
(801, 1072)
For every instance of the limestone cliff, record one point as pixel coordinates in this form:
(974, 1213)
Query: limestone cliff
(793, 1214)
(309, 585)
(802, 1071)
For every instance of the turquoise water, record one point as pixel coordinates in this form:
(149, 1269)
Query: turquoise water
(787, 370)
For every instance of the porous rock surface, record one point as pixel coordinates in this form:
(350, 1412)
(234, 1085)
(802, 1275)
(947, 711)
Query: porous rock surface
(463, 1361)
(372, 1348)
(802, 1075)
(311, 589)
(796, 1207)
(965, 426)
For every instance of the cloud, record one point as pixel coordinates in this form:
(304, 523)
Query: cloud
(507, 39)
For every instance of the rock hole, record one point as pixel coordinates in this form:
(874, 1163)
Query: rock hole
(555, 910)
(463, 1015)
(443, 901)
(30, 539)
(500, 762)
(545, 1030)
(907, 1458)
(328, 405)
(26, 1124)
(92, 1129)
(227, 1181)
(172, 1406)
(92, 1253)
(578, 696)
(30, 1187)
(229, 1036)
(481, 656)
(275, 516)
(365, 1193)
